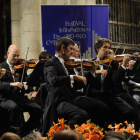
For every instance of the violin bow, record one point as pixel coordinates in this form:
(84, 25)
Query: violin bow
(36, 94)
(89, 56)
(123, 51)
(24, 65)
(81, 61)
(113, 55)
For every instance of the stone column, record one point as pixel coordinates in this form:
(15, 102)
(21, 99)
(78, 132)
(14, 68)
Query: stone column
(43, 1)
(73, 2)
(66, 2)
(31, 28)
(80, 2)
(55, 2)
(15, 22)
(90, 2)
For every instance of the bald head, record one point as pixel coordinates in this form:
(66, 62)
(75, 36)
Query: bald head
(68, 135)
(13, 54)
(13, 47)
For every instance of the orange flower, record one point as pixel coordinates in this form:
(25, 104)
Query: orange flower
(111, 127)
(126, 123)
(44, 138)
(57, 127)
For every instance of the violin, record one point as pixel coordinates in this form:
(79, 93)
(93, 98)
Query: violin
(29, 64)
(117, 58)
(75, 63)
(14, 74)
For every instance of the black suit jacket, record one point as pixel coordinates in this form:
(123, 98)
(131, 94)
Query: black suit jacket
(109, 81)
(6, 90)
(59, 89)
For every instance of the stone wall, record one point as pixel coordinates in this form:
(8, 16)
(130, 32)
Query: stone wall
(26, 23)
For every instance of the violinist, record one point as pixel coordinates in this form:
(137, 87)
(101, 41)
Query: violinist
(104, 91)
(15, 103)
(3, 122)
(75, 55)
(134, 82)
(61, 89)
(122, 92)
(38, 79)
(76, 52)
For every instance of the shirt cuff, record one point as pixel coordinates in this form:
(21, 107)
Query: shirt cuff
(131, 82)
(71, 81)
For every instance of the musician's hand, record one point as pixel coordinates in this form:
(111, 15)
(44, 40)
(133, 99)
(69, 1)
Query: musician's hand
(80, 78)
(2, 72)
(95, 66)
(17, 84)
(131, 64)
(103, 72)
(33, 94)
(126, 59)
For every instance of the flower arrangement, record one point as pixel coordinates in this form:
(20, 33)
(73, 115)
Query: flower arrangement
(129, 132)
(57, 127)
(90, 131)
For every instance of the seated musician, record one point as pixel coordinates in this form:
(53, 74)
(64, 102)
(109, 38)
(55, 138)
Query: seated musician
(4, 126)
(15, 102)
(119, 89)
(133, 82)
(75, 53)
(103, 90)
(60, 100)
(38, 78)
(35, 81)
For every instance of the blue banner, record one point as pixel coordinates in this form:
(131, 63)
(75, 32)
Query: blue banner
(83, 24)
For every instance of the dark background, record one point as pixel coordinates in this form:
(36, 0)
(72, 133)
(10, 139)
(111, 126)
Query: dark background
(5, 27)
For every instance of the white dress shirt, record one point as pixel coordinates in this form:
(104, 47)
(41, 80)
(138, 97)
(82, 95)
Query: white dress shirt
(71, 76)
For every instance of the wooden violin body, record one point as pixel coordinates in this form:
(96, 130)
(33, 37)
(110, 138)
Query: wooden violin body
(29, 64)
(76, 63)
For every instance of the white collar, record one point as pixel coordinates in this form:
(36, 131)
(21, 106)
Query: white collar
(9, 63)
(98, 59)
(60, 59)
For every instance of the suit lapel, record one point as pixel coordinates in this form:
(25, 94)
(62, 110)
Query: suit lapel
(58, 64)
(6, 66)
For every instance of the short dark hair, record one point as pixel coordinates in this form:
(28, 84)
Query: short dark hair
(63, 41)
(44, 55)
(99, 43)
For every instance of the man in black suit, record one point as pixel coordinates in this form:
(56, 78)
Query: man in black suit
(123, 75)
(105, 91)
(60, 100)
(15, 102)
